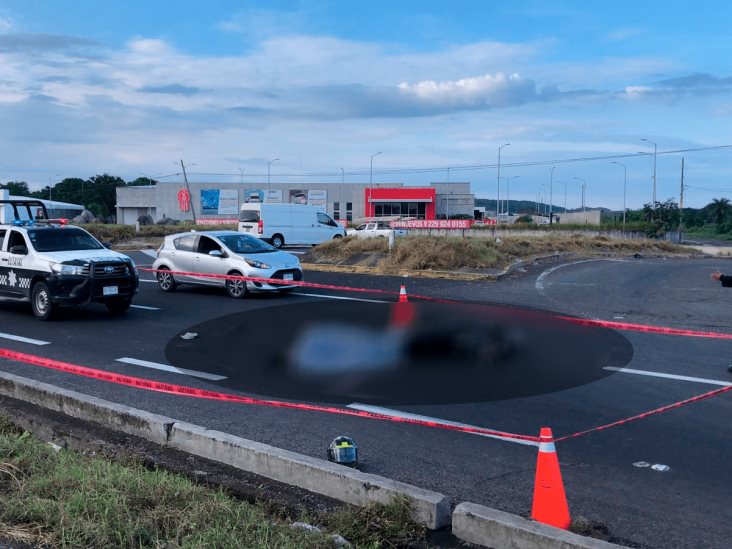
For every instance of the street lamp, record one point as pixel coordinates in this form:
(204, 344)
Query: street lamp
(583, 191)
(49, 185)
(625, 181)
(241, 175)
(269, 165)
(508, 181)
(655, 151)
(551, 194)
(371, 171)
(498, 181)
(343, 176)
(565, 194)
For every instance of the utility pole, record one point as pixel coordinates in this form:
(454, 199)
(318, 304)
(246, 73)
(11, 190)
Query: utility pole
(185, 178)
(681, 201)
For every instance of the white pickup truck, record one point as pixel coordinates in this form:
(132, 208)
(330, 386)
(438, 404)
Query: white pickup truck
(371, 230)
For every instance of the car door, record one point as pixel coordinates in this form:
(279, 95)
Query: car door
(15, 274)
(206, 264)
(181, 257)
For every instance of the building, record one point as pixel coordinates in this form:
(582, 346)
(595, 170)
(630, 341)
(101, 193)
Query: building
(217, 203)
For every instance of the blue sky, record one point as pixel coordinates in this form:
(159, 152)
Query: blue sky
(130, 88)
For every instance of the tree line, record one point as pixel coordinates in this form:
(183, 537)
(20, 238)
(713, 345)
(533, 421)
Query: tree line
(97, 194)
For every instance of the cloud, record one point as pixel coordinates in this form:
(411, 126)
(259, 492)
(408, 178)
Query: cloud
(178, 89)
(29, 42)
(621, 35)
(5, 25)
(697, 81)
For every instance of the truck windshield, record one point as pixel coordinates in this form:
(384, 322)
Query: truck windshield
(245, 244)
(62, 240)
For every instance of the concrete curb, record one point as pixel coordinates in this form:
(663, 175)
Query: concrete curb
(492, 528)
(322, 477)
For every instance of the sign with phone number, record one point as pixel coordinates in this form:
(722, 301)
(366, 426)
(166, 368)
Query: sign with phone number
(433, 224)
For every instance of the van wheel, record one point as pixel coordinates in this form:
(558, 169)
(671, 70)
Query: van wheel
(278, 240)
(43, 308)
(236, 288)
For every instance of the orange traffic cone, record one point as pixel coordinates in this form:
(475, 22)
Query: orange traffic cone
(403, 294)
(550, 501)
(402, 312)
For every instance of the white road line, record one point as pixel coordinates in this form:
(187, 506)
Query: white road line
(539, 284)
(167, 368)
(344, 298)
(151, 253)
(668, 376)
(147, 308)
(24, 339)
(146, 280)
(407, 415)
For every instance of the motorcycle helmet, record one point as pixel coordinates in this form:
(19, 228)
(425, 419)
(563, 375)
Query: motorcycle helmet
(343, 451)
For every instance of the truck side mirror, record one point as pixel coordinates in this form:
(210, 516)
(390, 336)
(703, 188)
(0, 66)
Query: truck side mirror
(19, 249)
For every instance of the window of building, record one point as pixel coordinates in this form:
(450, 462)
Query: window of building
(349, 211)
(337, 210)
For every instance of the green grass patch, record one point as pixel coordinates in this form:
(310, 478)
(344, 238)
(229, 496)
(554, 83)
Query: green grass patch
(66, 499)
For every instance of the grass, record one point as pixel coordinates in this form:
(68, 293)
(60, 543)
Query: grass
(121, 233)
(66, 499)
(442, 253)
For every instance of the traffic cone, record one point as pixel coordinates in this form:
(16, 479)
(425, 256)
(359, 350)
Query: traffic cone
(402, 312)
(550, 502)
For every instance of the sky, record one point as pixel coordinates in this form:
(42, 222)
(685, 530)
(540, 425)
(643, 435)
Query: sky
(395, 92)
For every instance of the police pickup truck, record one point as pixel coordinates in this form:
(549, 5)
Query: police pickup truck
(52, 263)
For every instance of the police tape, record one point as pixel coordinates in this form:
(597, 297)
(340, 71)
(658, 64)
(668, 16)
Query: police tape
(624, 326)
(194, 392)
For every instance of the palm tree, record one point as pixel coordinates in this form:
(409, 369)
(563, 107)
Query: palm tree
(719, 210)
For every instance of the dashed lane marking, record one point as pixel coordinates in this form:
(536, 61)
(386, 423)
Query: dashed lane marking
(668, 376)
(168, 368)
(343, 298)
(418, 417)
(145, 307)
(24, 339)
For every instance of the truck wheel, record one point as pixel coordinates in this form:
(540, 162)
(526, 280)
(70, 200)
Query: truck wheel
(166, 281)
(236, 288)
(278, 240)
(119, 306)
(43, 308)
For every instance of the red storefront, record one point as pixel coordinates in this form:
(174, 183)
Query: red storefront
(412, 202)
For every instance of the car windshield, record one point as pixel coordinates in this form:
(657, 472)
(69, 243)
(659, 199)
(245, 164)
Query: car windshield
(62, 240)
(245, 244)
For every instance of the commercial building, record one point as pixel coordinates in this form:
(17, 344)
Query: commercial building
(216, 203)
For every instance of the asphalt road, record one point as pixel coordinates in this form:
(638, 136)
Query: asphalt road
(684, 501)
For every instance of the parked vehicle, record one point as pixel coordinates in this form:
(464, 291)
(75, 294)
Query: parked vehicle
(204, 258)
(295, 224)
(52, 263)
(376, 229)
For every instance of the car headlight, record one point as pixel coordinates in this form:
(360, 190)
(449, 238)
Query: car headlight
(60, 268)
(256, 264)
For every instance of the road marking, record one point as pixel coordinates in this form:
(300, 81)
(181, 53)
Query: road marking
(668, 376)
(344, 298)
(539, 284)
(24, 339)
(146, 280)
(407, 415)
(146, 307)
(151, 253)
(167, 368)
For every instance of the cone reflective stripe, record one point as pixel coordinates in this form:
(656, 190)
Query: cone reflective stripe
(550, 501)
(403, 294)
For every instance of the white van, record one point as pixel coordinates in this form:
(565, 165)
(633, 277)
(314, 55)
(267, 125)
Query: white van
(293, 224)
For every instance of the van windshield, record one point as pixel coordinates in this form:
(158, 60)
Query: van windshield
(249, 216)
(245, 244)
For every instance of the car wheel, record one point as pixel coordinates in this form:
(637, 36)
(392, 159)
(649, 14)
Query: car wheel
(278, 240)
(165, 280)
(43, 308)
(119, 306)
(236, 288)
(336, 237)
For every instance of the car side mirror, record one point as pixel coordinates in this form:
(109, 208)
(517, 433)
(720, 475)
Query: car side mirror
(217, 253)
(19, 249)
(107, 245)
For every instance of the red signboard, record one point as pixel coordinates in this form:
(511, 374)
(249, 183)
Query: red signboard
(433, 224)
(184, 200)
(217, 221)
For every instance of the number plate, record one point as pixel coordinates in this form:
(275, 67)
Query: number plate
(110, 290)
(288, 276)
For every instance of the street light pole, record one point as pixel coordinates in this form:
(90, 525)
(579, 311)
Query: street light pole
(241, 175)
(269, 171)
(551, 194)
(583, 191)
(343, 176)
(498, 181)
(371, 170)
(625, 182)
(655, 153)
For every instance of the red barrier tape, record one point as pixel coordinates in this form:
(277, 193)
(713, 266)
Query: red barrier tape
(644, 415)
(180, 390)
(625, 326)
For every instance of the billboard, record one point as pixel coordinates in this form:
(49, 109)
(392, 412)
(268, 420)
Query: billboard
(298, 196)
(219, 202)
(274, 197)
(254, 195)
(318, 198)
